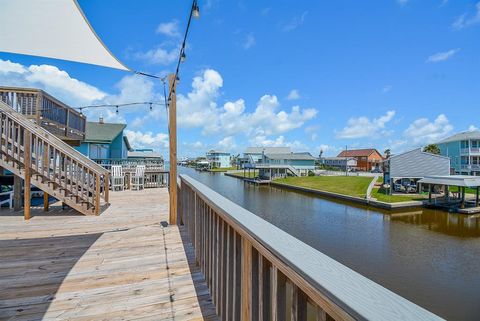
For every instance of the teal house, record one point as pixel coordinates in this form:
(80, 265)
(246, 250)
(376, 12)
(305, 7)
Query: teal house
(104, 141)
(463, 149)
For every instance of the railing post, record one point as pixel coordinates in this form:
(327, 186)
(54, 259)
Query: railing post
(97, 194)
(246, 280)
(27, 137)
(173, 149)
(106, 186)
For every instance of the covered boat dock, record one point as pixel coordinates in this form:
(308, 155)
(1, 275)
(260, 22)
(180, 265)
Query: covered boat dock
(456, 200)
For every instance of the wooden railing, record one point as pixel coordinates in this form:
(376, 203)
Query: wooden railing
(32, 152)
(47, 111)
(130, 163)
(255, 271)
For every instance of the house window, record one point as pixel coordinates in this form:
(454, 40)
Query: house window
(464, 160)
(475, 159)
(464, 144)
(98, 151)
(474, 144)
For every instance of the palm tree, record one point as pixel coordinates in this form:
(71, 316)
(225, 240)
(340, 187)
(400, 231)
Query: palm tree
(387, 153)
(432, 149)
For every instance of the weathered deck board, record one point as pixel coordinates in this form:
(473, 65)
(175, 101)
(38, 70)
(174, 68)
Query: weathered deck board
(64, 266)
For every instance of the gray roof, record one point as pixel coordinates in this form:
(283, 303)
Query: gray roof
(137, 154)
(268, 150)
(213, 151)
(295, 156)
(461, 136)
(453, 180)
(417, 164)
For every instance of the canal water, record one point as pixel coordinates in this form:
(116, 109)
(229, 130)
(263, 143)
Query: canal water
(430, 257)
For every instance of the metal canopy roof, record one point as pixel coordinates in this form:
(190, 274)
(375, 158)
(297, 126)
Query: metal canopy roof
(453, 180)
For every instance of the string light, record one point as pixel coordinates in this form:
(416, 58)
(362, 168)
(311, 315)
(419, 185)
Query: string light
(195, 10)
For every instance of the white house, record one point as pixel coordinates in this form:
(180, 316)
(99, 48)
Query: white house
(218, 159)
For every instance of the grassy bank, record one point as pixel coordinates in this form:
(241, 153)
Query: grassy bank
(346, 185)
(222, 169)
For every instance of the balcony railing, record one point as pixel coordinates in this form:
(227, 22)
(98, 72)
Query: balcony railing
(472, 150)
(255, 271)
(131, 163)
(471, 167)
(58, 118)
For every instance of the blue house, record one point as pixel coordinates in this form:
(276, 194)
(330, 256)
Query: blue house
(104, 140)
(463, 149)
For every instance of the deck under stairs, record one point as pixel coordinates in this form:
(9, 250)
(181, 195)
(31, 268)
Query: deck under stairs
(45, 161)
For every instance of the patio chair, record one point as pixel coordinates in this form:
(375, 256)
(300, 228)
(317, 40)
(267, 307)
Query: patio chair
(6, 198)
(118, 179)
(138, 178)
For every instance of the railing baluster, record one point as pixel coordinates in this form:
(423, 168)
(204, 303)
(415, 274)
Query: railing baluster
(246, 280)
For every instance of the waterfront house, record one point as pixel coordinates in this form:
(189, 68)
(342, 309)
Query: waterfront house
(218, 159)
(402, 171)
(367, 159)
(104, 141)
(342, 163)
(463, 149)
(299, 164)
(254, 155)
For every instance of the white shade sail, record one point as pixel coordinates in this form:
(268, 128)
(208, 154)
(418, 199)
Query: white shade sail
(54, 29)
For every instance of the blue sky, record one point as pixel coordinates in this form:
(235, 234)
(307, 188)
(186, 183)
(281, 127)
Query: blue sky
(308, 74)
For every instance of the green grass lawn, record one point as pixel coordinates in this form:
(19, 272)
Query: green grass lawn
(347, 185)
(252, 174)
(222, 169)
(381, 196)
(468, 190)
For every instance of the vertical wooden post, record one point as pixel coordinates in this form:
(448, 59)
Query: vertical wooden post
(46, 201)
(17, 193)
(477, 196)
(27, 161)
(172, 120)
(462, 204)
(246, 280)
(97, 194)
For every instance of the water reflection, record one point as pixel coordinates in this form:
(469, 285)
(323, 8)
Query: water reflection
(430, 257)
(453, 224)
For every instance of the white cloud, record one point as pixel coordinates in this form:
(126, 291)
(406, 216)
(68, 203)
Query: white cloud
(402, 2)
(387, 88)
(159, 55)
(422, 131)
(169, 29)
(328, 150)
(280, 141)
(227, 143)
(53, 80)
(6, 66)
(249, 41)
(466, 21)
(199, 109)
(443, 56)
(296, 22)
(147, 139)
(364, 127)
(473, 128)
(294, 94)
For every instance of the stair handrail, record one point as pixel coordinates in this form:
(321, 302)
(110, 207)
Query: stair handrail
(53, 140)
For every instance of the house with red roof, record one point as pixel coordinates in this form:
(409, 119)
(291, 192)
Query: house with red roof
(367, 159)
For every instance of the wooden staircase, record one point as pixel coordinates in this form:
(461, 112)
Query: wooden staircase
(45, 161)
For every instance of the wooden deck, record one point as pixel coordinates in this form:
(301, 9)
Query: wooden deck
(122, 265)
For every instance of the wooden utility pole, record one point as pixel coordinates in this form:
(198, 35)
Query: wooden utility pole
(172, 121)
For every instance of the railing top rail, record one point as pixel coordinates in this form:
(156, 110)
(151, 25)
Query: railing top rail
(53, 140)
(21, 90)
(357, 295)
